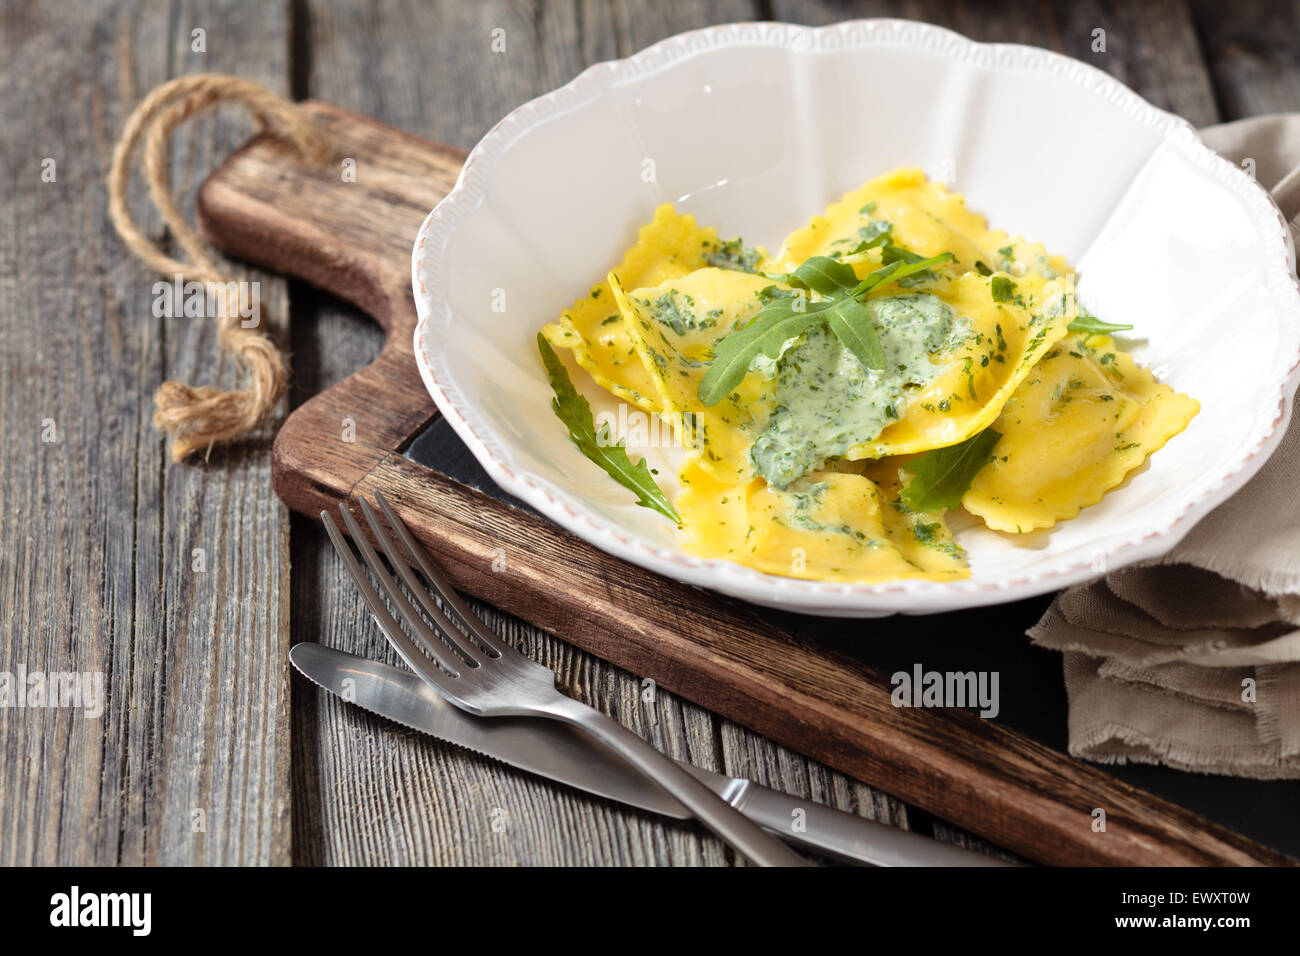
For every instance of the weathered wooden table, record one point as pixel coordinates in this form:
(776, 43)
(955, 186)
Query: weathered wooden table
(185, 586)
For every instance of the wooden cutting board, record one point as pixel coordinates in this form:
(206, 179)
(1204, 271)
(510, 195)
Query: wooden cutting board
(801, 682)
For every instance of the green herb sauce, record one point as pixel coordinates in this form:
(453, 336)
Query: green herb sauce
(733, 254)
(827, 401)
(677, 311)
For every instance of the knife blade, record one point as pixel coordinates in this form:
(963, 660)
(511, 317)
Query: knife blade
(556, 752)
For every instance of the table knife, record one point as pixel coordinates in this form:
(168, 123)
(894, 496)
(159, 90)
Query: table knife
(554, 751)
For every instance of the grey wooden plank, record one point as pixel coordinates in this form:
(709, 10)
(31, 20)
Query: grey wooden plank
(100, 575)
(1150, 46)
(1254, 55)
(227, 626)
(642, 22)
(365, 791)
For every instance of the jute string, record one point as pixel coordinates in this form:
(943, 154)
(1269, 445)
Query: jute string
(196, 417)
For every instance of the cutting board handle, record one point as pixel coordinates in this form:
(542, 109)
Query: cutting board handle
(347, 228)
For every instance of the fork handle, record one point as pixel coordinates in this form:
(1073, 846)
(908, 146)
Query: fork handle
(710, 809)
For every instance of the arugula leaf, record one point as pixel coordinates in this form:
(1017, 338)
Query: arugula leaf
(781, 319)
(770, 293)
(900, 265)
(940, 477)
(915, 265)
(846, 317)
(874, 279)
(778, 321)
(825, 275)
(866, 244)
(1091, 325)
(893, 253)
(575, 412)
(852, 325)
(921, 273)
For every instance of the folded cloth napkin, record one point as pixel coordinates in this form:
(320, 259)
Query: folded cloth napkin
(1193, 659)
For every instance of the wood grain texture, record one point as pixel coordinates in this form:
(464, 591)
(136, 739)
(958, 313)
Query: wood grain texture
(1254, 55)
(96, 573)
(100, 571)
(1150, 46)
(1018, 793)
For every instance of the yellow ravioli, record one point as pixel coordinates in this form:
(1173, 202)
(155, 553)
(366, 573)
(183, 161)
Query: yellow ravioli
(670, 245)
(1076, 415)
(923, 217)
(674, 326)
(1006, 339)
(1019, 256)
(830, 526)
(923, 537)
(715, 513)
(1085, 418)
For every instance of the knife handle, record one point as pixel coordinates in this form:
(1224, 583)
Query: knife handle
(710, 809)
(848, 836)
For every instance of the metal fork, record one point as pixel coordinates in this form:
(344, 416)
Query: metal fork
(489, 678)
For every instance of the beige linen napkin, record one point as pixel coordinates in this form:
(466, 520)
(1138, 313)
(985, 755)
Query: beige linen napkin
(1193, 660)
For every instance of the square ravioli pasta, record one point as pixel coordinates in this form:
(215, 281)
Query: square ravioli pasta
(893, 360)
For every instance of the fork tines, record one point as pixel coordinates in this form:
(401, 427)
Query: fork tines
(444, 641)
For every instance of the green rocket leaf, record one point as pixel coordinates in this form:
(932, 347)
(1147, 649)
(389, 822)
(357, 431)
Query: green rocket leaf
(575, 412)
(940, 477)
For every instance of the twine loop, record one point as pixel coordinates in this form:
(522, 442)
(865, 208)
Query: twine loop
(196, 417)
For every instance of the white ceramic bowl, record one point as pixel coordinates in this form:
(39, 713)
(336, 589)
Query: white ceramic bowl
(753, 128)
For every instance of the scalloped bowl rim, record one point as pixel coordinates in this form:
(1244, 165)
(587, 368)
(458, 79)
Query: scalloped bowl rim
(819, 597)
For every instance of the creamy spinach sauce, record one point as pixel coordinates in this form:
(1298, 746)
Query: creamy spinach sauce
(826, 401)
